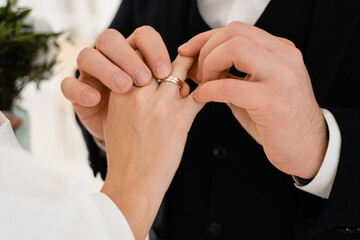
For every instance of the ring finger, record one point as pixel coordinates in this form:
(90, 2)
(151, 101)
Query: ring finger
(181, 66)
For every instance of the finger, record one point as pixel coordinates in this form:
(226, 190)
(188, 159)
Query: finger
(243, 94)
(192, 106)
(286, 41)
(246, 122)
(79, 92)
(193, 46)
(92, 63)
(153, 81)
(192, 72)
(152, 47)
(115, 47)
(140, 55)
(185, 90)
(245, 56)
(180, 68)
(254, 34)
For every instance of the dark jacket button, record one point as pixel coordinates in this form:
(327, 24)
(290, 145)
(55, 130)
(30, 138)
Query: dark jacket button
(215, 228)
(219, 153)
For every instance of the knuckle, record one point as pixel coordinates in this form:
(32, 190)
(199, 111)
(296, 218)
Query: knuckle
(83, 55)
(146, 29)
(240, 44)
(240, 47)
(106, 36)
(139, 97)
(290, 83)
(287, 41)
(165, 111)
(235, 27)
(161, 107)
(297, 54)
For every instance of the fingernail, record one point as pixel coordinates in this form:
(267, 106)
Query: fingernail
(90, 96)
(141, 77)
(119, 81)
(162, 70)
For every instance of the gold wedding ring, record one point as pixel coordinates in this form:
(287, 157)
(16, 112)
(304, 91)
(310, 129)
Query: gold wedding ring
(171, 79)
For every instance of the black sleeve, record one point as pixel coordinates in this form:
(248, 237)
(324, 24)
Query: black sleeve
(124, 23)
(124, 18)
(343, 207)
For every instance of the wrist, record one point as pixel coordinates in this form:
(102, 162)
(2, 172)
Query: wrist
(315, 150)
(137, 201)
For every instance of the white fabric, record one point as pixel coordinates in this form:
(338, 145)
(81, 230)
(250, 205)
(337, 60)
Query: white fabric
(217, 14)
(322, 183)
(39, 202)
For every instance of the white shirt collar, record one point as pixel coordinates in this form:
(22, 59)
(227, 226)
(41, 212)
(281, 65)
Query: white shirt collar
(219, 13)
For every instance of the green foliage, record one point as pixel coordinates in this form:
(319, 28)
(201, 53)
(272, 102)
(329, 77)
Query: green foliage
(20, 53)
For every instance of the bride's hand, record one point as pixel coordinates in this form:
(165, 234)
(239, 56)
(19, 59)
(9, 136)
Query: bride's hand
(145, 134)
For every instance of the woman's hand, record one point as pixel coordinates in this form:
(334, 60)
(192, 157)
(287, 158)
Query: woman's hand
(275, 103)
(115, 65)
(145, 134)
(14, 121)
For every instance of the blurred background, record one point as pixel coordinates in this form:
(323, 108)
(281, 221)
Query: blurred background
(53, 133)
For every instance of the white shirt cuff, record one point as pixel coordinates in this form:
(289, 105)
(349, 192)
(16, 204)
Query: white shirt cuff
(322, 184)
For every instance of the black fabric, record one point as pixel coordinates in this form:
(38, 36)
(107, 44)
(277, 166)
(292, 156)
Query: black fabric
(225, 188)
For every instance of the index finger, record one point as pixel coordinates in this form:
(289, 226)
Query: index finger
(152, 47)
(115, 47)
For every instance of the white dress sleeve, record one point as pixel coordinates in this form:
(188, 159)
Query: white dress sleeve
(40, 202)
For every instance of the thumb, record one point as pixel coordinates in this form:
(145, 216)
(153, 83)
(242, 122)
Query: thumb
(193, 47)
(243, 94)
(193, 106)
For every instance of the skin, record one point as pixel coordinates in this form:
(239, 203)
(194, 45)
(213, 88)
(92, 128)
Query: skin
(145, 134)
(115, 65)
(135, 181)
(14, 121)
(275, 103)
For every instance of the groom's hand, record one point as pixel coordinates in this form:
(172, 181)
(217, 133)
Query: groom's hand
(115, 65)
(275, 103)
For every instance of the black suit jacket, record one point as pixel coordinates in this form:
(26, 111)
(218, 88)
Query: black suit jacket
(225, 188)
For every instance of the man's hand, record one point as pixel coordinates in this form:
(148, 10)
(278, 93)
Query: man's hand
(115, 65)
(275, 103)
